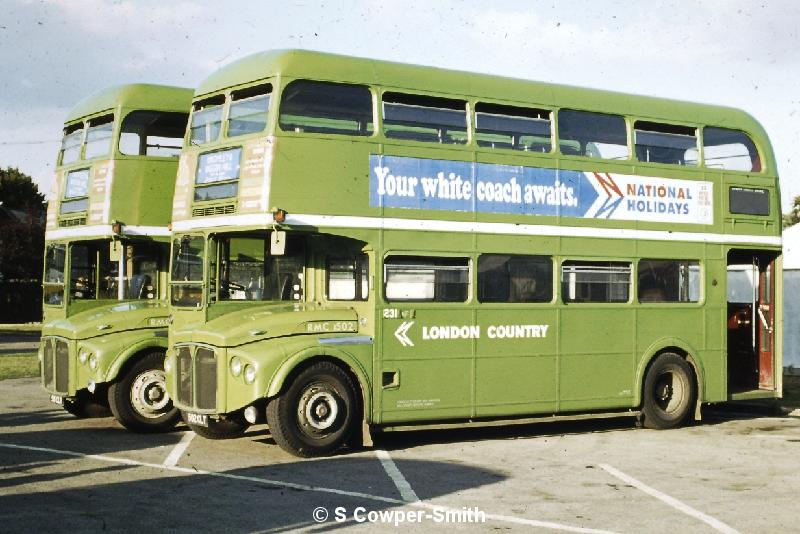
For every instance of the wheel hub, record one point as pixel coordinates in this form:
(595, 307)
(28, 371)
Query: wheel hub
(149, 395)
(669, 392)
(321, 409)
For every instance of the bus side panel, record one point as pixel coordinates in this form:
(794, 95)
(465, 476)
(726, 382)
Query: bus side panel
(597, 363)
(516, 360)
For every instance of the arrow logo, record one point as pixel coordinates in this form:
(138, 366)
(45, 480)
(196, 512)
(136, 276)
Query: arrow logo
(402, 334)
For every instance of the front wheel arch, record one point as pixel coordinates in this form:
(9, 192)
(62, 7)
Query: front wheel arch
(295, 364)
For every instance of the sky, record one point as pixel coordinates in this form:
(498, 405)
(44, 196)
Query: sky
(736, 53)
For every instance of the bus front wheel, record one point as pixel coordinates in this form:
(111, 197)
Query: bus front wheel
(669, 392)
(139, 399)
(316, 414)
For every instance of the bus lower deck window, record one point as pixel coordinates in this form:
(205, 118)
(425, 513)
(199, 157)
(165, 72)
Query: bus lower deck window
(422, 278)
(589, 281)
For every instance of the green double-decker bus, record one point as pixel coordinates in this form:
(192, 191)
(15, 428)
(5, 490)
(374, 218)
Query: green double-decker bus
(361, 244)
(104, 332)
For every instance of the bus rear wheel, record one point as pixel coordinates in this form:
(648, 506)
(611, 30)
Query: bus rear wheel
(316, 414)
(669, 392)
(139, 400)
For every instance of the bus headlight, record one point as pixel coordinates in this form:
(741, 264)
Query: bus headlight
(168, 364)
(83, 356)
(236, 366)
(93, 362)
(249, 374)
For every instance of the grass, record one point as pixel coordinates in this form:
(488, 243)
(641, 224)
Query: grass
(25, 327)
(21, 365)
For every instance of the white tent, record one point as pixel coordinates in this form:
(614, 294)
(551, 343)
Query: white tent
(791, 296)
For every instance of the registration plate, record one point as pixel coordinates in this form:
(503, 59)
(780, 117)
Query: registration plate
(57, 399)
(197, 419)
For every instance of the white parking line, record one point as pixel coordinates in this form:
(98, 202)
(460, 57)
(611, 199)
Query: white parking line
(405, 489)
(716, 524)
(177, 451)
(303, 487)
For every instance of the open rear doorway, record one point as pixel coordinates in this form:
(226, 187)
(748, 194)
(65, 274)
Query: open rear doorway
(751, 320)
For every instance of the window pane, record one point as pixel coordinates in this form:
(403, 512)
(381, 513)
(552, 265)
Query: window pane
(55, 257)
(98, 137)
(141, 272)
(187, 258)
(348, 278)
(604, 281)
(206, 121)
(511, 127)
(596, 135)
(665, 143)
(153, 133)
(91, 271)
(77, 184)
(74, 206)
(669, 281)
(505, 278)
(730, 150)
(423, 118)
(71, 145)
(746, 201)
(249, 272)
(742, 281)
(248, 111)
(323, 107)
(411, 278)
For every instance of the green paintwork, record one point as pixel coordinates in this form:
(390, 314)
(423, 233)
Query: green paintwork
(255, 323)
(136, 191)
(593, 357)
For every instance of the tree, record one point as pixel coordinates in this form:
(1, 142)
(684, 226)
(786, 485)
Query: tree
(19, 192)
(793, 217)
(21, 226)
(21, 247)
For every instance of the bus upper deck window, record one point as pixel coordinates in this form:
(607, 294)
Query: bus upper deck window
(323, 107)
(71, 144)
(597, 135)
(152, 133)
(730, 150)
(512, 127)
(98, 137)
(666, 143)
(424, 118)
(206, 120)
(248, 111)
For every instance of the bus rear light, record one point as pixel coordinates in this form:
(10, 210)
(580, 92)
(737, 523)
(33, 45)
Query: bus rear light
(116, 227)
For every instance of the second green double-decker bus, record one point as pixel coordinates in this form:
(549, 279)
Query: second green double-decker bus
(104, 332)
(359, 243)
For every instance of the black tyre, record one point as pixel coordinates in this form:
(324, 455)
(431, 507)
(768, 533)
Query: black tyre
(233, 426)
(139, 399)
(669, 392)
(86, 406)
(317, 413)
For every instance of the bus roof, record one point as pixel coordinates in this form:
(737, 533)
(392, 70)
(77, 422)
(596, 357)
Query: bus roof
(134, 95)
(333, 67)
